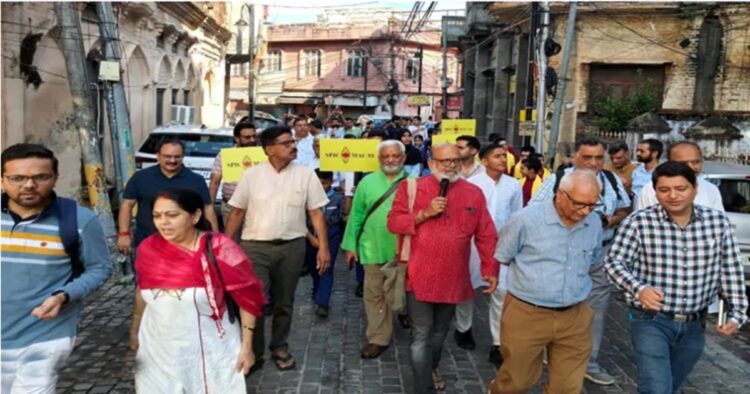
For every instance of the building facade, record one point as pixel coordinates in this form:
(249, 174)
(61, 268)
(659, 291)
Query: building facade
(363, 66)
(694, 58)
(172, 56)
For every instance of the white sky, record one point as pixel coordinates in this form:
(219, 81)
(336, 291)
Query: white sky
(285, 11)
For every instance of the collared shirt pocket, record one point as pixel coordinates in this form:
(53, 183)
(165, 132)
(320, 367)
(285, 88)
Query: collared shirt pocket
(468, 220)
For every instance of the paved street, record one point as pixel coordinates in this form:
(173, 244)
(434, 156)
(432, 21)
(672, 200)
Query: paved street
(327, 352)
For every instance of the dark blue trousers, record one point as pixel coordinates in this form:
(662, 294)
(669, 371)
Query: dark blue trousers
(323, 284)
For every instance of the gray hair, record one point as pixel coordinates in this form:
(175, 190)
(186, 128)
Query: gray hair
(578, 176)
(391, 144)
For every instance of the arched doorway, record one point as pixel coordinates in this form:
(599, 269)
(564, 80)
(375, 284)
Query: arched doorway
(163, 92)
(138, 90)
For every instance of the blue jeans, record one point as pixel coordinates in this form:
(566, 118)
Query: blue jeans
(323, 284)
(431, 325)
(666, 351)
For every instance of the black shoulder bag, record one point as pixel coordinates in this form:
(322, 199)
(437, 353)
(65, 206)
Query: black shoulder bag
(233, 310)
(376, 205)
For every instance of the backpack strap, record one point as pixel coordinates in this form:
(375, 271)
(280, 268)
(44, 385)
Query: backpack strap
(67, 216)
(612, 181)
(411, 188)
(376, 205)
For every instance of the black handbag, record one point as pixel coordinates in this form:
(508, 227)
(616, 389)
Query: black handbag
(233, 310)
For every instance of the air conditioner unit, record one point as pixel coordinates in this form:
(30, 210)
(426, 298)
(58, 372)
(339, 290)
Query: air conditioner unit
(183, 114)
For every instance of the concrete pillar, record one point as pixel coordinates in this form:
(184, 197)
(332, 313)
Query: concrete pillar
(13, 111)
(521, 62)
(468, 69)
(480, 88)
(501, 90)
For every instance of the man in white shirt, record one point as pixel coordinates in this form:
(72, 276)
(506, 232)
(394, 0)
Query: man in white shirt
(690, 153)
(274, 200)
(468, 147)
(305, 154)
(504, 196)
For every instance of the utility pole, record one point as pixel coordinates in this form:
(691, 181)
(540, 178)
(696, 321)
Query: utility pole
(542, 67)
(562, 82)
(117, 106)
(419, 83)
(392, 87)
(75, 62)
(365, 65)
(444, 80)
(251, 52)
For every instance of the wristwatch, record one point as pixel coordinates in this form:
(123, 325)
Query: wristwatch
(67, 297)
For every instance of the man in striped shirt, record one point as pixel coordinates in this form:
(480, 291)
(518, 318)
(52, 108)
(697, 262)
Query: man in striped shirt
(672, 259)
(41, 298)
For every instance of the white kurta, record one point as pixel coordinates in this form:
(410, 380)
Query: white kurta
(503, 199)
(180, 350)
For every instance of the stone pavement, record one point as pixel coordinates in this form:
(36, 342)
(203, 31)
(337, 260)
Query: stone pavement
(327, 352)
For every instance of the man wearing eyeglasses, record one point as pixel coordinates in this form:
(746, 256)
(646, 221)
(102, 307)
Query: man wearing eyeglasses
(441, 229)
(548, 249)
(53, 255)
(273, 200)
(144, 185)
(612, 207)
(245, 135)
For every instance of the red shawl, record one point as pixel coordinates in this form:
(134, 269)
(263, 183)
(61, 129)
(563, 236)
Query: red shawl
(162, 265)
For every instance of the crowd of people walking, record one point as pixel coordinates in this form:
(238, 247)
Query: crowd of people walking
(436, 226)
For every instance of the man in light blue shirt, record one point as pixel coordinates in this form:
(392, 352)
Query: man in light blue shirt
(613, 206)
(548, 250)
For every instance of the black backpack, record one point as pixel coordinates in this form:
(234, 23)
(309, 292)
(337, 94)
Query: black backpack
(607, 174)
(67, 216)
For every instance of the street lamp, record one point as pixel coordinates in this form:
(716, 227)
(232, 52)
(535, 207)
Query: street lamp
(242, 23)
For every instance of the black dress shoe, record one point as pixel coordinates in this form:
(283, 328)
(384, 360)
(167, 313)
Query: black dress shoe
(465, 340)
(359, 291)
(321, 311)
(495, 357)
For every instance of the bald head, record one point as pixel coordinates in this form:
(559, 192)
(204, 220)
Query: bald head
(580, 180)
(444, 149)
(577, 195)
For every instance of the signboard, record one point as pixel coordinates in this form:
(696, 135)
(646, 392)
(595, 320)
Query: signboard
(454, 103)
(234, 161)
(349, 155)
(459, 126)
(109, 71)
(526, 129)
(442, 138)
(419, 101)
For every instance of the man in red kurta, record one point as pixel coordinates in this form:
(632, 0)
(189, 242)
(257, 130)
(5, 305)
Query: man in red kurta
(438, 276)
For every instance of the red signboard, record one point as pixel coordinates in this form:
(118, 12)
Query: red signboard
(454, 103)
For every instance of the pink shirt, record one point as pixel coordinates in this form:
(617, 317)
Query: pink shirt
(438, 268)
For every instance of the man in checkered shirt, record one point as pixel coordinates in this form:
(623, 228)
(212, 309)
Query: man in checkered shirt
(672, 259)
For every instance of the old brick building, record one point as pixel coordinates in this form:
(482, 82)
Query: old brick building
(695, 56)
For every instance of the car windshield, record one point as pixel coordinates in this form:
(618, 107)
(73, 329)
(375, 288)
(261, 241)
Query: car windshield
(196, 145)
(735, 194)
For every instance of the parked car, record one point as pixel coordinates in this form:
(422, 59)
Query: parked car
(201, 147)
(733, 181)
(262, 120)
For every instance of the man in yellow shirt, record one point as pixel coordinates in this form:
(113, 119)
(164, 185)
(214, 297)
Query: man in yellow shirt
(526, 151)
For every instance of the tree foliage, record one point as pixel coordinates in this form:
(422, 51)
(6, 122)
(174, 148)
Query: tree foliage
(613, 114)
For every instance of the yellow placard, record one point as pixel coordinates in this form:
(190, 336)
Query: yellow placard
(459, 126)
(349, 155)
(234, 161)
(418, 101)
(438, 139)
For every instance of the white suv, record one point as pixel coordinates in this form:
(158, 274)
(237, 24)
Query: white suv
(201, 147)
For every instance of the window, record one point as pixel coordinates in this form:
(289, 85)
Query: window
(618, 81)
(273, 61)
(160, 106)
(311, 63)
(355, 63)
(186, 97)
(412, 67)
(175, 97)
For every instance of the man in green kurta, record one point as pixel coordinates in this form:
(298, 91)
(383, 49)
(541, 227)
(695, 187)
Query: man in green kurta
(375, 245)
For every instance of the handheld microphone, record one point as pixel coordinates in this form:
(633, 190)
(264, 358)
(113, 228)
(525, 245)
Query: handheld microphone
(443, 190)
